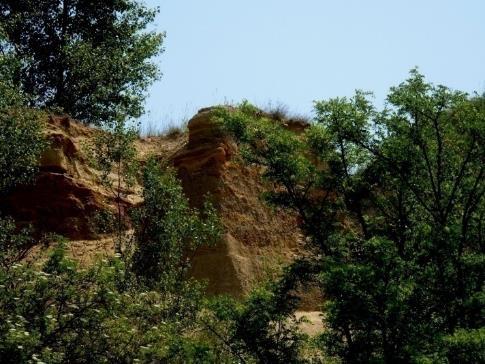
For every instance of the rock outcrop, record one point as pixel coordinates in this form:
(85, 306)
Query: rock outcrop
(67, 194)
(63, 197)
(207, 149)
(256, 237)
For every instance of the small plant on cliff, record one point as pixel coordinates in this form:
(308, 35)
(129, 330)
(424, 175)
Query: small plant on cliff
(113, 153)
(92, 60)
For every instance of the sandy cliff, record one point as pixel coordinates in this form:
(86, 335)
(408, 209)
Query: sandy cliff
(67, 195)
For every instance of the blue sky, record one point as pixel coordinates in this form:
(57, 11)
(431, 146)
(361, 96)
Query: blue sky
(294, 52)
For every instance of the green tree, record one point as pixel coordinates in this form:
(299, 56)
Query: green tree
(91, 59)
(21, 131)
(21, 144)
(262, 326)
(392, 204)
(168, 232)
(10, 94)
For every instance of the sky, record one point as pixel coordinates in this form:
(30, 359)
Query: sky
(292, 52)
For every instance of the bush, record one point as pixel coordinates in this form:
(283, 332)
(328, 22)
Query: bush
(59, 313)
(14, 245)
(167, 231)
(21, 144)
(465, 346)
(262, 326)
(21, 132)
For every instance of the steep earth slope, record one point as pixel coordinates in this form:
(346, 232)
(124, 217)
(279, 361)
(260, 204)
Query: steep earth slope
(67, 196)
(256, 237)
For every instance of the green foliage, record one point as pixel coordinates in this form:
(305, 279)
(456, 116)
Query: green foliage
(167, 231)
(60, 313)
(392, 204)
(103, 222)
(21, 132)
(465, 346)
(21, 144)
(262, 327)
(112, 152)
(14, 245)
(10, 95)
(266, 143)
(92, 60)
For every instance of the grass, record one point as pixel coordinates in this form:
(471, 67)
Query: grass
(281, 112)
(277, 111)
(171, 130)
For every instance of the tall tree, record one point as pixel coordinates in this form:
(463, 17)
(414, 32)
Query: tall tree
(392, 204)
(89, 58)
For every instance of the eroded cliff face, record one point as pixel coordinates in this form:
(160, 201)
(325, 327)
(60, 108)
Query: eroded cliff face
(256, 237)
(67, 195)
(64, 195)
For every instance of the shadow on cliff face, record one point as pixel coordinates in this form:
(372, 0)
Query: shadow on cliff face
(61, 199)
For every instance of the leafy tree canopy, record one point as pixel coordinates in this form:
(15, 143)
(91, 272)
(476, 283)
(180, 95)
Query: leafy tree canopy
(392, 204)
(21, 131)
(89, 58)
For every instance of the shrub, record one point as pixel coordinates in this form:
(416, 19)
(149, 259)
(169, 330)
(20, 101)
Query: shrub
(167, 231)
(14, 245)
(59, 313)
